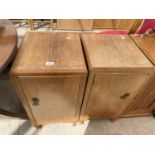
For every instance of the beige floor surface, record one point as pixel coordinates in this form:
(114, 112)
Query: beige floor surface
(124, 126)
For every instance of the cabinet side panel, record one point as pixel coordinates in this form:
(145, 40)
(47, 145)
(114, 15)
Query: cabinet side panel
(20, 92)
(81, 95)
(86, 96)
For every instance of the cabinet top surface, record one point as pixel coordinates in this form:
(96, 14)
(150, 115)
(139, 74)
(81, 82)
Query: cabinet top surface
(113, 51)
(49, 53)
(147, 44)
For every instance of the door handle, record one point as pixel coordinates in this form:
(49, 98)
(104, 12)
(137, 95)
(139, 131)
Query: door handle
(35, 101)
(124, 96)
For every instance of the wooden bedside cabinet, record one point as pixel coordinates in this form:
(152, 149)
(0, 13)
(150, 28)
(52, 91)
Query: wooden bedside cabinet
(118, 70)
(49, 74)
(145, 102)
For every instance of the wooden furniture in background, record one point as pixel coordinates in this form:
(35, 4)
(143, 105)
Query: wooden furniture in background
(32, 22)
(75, 24)
(126, 24)
(8, 43)
(118, 70)
(90, 24)
(145, 102)
(49, 74)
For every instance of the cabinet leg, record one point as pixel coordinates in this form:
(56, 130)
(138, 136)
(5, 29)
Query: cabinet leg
(51, 24)
(38, 126)
(31, 24)
(81, 122)
(113, 120)
(74, 124)
(153, 113)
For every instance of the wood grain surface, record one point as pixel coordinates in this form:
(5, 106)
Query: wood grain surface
(50, 92)
(49, 53)
(106, 99)
(57, 97)
(21, 95)
(118, 71)
(125, 24)
(145, 101)
(111, 51)
(75, 24)
(147, 45)
(8, 42)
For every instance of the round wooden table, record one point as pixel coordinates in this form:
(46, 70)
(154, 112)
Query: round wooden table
(8, 43)
(9, 103)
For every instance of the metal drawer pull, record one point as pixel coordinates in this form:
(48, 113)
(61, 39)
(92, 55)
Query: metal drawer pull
(35, 101)
(124, 96)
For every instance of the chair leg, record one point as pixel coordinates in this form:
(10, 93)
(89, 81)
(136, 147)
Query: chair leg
(20, 23)
(51, 24)
(31, 23)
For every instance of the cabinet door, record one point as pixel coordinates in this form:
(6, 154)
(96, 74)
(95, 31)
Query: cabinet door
(144, 102)
(52, 99)
(111, 94)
